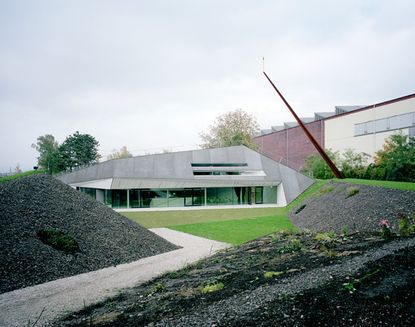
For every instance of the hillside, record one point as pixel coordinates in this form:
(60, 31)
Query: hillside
(95, 236)
(343, 206)
(353, 278)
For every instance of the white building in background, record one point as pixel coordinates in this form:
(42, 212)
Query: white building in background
(366, 129)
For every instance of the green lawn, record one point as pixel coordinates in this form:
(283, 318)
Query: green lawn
(388, 184)
(21, 175)
(237, 231)
(152, 219)
(237, 226)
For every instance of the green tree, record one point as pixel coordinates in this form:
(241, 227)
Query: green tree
(353, 165)
(316, 167)
(396, 161)
(233, 128)
(122, 153)
(78, 150)
(48, 149)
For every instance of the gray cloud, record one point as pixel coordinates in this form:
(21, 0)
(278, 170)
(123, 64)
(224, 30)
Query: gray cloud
(153, 74)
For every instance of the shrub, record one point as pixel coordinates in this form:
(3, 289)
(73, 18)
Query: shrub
(385, 229)
(212, 287)
(405, 227)
(59, 240)
(351, 191)
(272, 274)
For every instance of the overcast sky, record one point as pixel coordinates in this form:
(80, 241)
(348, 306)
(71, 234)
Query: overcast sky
(152, 75)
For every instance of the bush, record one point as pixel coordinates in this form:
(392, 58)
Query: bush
(58, 240)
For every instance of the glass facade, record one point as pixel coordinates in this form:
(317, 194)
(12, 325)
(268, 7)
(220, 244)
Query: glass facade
(160, 198)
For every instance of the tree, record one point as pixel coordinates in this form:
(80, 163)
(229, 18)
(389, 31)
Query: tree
(353, 165)
(316, 167)
(350, 163)
(48, 149)
(78, 150)
(233, 128)
(122, 153)
(396, 161)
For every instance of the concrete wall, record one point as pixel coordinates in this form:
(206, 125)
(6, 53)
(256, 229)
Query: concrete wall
(339, 132)
(291, 146)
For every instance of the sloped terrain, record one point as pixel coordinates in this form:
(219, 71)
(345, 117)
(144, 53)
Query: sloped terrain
(39, 202)
(339, 206)
(279, 280)
(353, 278)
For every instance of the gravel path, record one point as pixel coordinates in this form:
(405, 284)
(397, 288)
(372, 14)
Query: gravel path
(241, 306)
(70, 294)
(332, 210)
(37, 202)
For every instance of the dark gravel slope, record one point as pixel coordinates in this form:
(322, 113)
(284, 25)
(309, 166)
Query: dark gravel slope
(332, 209)
(105, 237)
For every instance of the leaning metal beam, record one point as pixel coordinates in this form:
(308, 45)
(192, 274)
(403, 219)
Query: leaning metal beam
(326, 158)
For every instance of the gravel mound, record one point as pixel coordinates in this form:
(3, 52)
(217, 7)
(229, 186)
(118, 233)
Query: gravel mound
(335, 208)
(105, 238)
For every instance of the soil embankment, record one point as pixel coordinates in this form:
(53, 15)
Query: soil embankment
(341, 206)
(37, 203)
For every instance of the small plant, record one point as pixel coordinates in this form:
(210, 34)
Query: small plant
(351, 191)
(345, 231)
(58, 239)
(212, 288)
(349, 287)
(157, 288)
(293, 245)
(385, 229)
(325, 190)
(272, 274)
(405, 227)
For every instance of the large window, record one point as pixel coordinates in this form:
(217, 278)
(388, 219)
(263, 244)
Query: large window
(90, 191)
(385, 124)
(119, 198)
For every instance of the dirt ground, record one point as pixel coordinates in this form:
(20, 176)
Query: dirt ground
(282, 279)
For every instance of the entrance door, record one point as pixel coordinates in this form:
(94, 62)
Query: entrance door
(259, 194)
(193, 197)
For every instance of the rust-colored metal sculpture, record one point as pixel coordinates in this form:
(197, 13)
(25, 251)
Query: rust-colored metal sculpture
(320, 150)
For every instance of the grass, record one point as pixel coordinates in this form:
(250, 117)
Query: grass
(388, 184)
(154, 219)
(238, 231)
(236, 226)
(20, 175)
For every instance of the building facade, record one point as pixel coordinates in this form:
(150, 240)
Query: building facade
(211, 177)
(366, 129)
(360, 128)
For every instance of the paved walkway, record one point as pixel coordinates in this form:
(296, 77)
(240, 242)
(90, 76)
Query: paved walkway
(65, 295)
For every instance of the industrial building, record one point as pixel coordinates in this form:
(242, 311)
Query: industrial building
(361, 128)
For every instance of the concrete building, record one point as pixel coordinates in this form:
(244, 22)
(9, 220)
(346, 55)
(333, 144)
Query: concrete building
(223, 176)
(361, 128)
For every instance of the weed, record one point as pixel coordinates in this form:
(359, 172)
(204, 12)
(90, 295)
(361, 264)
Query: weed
(405, 227)
(272, 274)
(325, 190)
(293, 245)
(212, 288)
(351, 286)
(327, 239)
(352, 191)
(385, 229)
(173, 274)
(58, 240)
(157, 288)
(345, 230)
